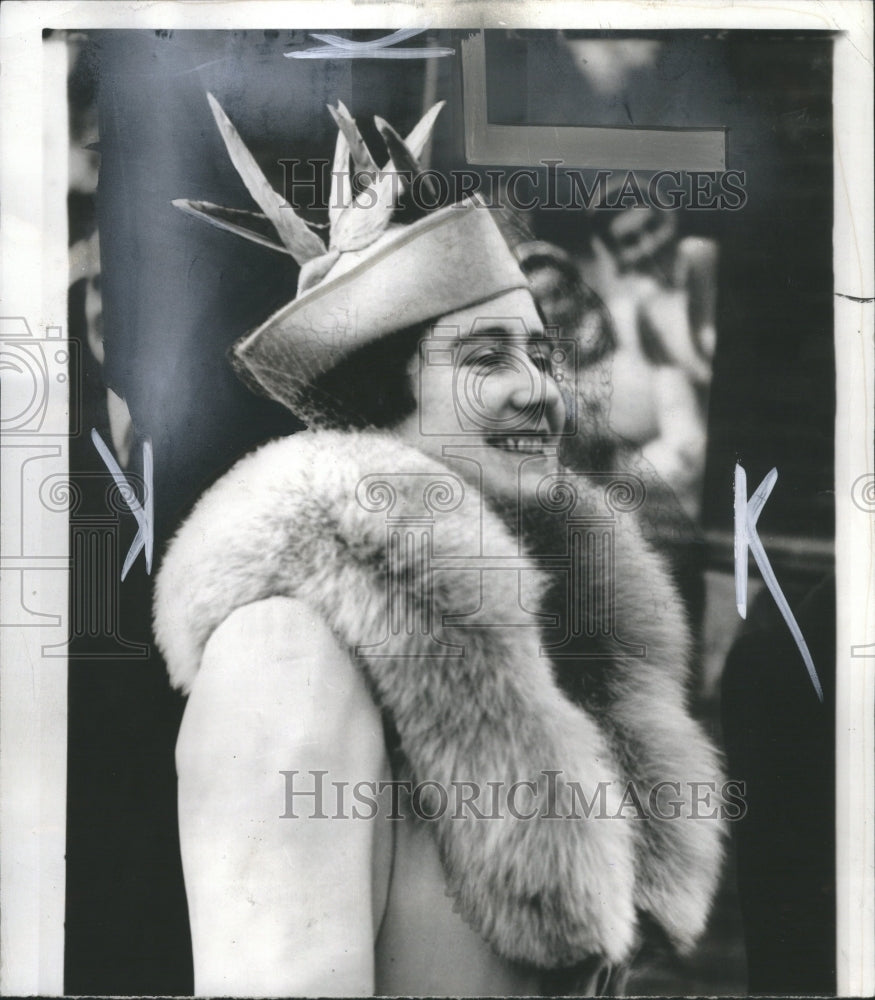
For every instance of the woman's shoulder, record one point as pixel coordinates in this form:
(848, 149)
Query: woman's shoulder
(272, 672)
(295, 509)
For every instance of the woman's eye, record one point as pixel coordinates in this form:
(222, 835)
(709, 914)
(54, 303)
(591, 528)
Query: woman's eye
(493, 358)
(542, 362)
(485, 355)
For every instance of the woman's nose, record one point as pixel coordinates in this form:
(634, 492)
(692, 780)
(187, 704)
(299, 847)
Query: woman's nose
(536, 391)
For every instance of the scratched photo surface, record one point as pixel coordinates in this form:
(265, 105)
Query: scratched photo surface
(664, 204)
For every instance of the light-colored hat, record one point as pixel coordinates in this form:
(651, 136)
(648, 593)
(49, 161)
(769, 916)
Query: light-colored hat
(374, 277)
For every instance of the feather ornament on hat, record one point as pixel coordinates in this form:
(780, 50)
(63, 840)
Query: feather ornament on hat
(355, 222)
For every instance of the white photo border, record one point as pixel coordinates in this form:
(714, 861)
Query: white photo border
(33, 689)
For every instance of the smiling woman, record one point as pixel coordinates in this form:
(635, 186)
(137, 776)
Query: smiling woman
(480, 376)
(358, 604)
(490, 392)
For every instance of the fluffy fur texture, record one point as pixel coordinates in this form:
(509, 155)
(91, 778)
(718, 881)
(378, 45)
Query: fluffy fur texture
(285, 521)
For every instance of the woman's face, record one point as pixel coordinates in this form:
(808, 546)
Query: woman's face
(487, 403)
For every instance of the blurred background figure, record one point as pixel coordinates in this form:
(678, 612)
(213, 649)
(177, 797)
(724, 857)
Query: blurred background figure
(627, 413)
(575, 313)
(86, 301)
(661, 290)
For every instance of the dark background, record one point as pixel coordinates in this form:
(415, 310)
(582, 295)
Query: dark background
(177, 293)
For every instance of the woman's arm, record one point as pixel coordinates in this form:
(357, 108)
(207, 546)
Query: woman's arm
(279, 905)
(678, 453)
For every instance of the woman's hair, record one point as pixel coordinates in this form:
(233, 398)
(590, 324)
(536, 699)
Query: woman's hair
(371, 387)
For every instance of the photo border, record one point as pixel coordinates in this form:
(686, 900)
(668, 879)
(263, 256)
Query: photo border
(33, 690)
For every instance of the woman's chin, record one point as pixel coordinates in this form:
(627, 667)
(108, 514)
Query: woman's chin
(509, 477)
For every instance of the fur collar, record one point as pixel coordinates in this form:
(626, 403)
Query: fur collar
(306, 516)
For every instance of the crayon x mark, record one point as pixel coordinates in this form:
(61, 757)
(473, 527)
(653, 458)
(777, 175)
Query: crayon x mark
(747, 514)
(336, 47)
(145, 536)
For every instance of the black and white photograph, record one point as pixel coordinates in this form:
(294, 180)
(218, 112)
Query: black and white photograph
(438, 479)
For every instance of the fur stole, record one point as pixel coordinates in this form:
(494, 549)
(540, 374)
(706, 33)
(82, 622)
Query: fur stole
(307, 517)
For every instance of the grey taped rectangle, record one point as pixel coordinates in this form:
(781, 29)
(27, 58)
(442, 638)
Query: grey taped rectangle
(599, 147)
